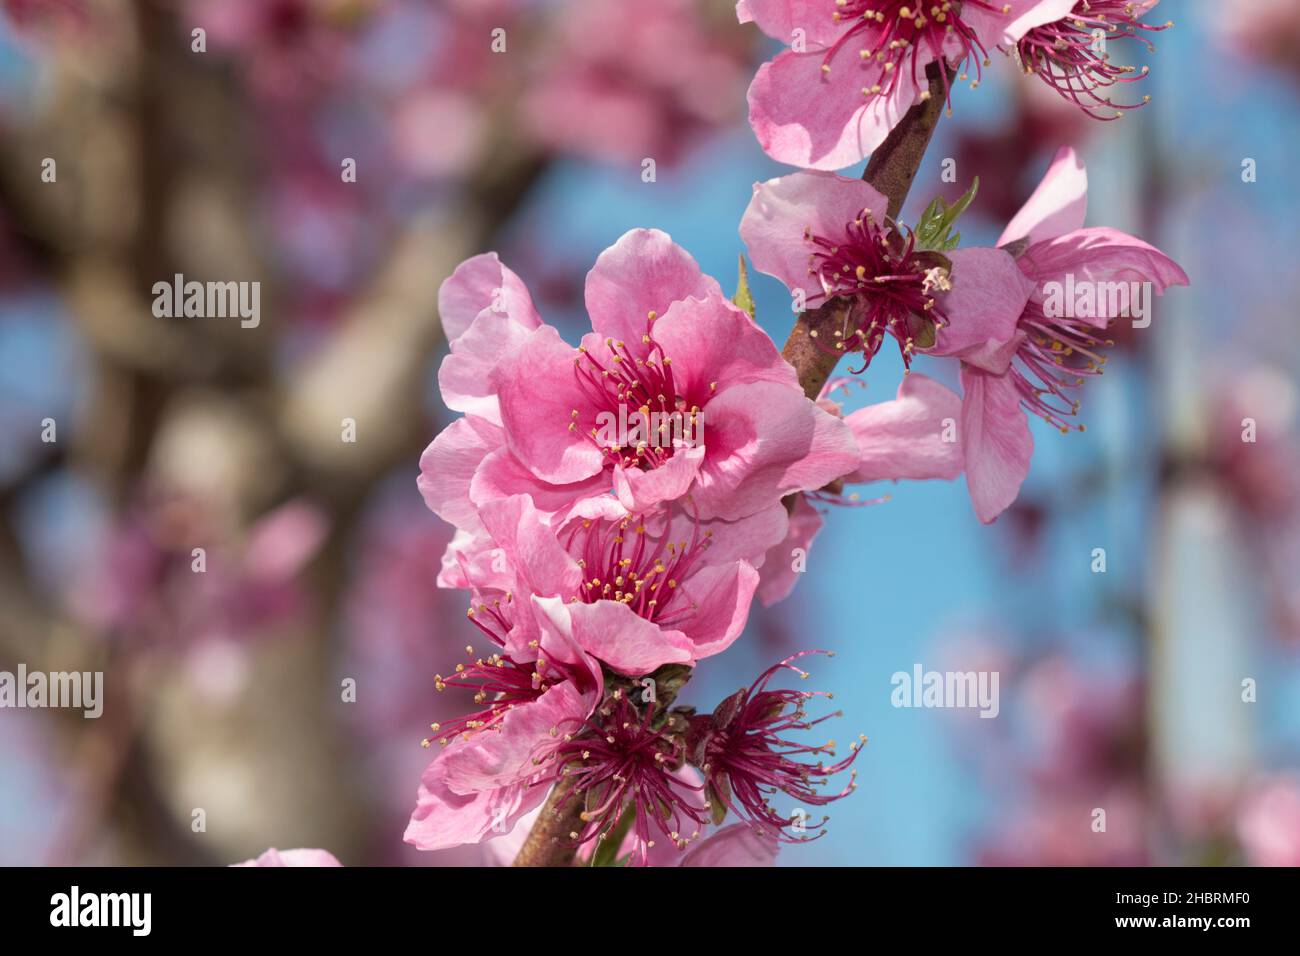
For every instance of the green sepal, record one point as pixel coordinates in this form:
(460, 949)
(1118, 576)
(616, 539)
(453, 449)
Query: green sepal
(743, 297)
(934, 228)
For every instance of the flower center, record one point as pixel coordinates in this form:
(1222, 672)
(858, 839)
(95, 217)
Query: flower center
(622, 561)
(1070, 56)
(642, 417)
(892, 35)
(889, 282)
(745, 743)
(623, 764)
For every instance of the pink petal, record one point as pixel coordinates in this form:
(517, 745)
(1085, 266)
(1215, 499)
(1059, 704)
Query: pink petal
(558, 645)
(501, 475)
(504, 757)
(764, 441)
(780, 18)
(806, 119)
(473, 560)
(645, 271)
(783, 210)
(1100, 255)
(444, 818)
(735, 845)
(1058, 204)
(502, 850)
(984, 306)
(998, 445)
(995, 28)
(538, 392)
(639, 490)
(531, 546)
(611, 632)
(1027, 14)
(447, 467)
(302, 857)
(718, 597)
(481, 283)
(904, 438)
(714, 345)
(777, 576)
(746, 539)
(463, 375)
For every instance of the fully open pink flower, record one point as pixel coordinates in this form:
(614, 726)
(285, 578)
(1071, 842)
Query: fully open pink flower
(633, 591)
(827, 236)
(666, 346)
(1035, 362)
(856, 66)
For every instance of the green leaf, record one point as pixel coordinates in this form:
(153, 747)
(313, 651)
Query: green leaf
(607, 849)
(743, 297)
(934, 229)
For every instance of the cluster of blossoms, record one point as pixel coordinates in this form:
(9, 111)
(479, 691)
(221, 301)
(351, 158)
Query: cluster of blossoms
(602, 566)
(855, 67)
(600, 573)
(827, 238)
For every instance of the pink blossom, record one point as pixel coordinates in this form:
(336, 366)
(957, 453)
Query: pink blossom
(827, 237)
(274, 857)
(1268, 822)
(491, 769)
(1036, 361)
(904, 438)
(665, 341)
(856, 66)
(633, 591)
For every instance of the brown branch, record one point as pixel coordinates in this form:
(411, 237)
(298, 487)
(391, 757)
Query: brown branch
(550, 842)
(891, 170)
